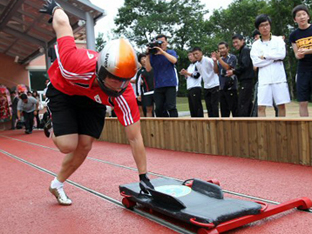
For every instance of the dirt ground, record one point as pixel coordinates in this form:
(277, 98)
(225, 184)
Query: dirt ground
(292, 110)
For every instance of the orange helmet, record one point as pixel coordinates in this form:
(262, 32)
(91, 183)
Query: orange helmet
(117, 61)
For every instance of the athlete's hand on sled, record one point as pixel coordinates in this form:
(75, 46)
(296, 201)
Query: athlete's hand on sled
(145, 183)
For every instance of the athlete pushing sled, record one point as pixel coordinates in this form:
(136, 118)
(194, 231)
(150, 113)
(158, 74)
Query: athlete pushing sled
(82, 83)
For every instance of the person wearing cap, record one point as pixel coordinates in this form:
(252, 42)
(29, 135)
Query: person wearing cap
(82, 82)
(302, 46)
(28, 105)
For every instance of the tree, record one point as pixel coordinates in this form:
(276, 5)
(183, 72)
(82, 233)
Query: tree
(182, 21)
(238, 18)
(99, 42)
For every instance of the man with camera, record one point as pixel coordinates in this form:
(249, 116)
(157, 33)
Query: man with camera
(223, 61)
(162, 61)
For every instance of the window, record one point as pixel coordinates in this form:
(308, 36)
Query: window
(37, 80)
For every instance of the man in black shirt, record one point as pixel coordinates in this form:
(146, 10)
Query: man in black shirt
(224, 61)
(245, 74)
(301, 40)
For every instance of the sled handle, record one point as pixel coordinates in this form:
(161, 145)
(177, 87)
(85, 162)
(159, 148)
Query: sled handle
(265, 206)
(206, 225)
(123, 193)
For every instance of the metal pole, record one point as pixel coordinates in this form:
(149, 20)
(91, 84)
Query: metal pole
(47, 58)
(90, 31)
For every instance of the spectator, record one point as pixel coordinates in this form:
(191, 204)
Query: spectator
(301, 44)
(267, 54)
(28, 105)
(245, 74)
(163, 62)
(193, 86)
(254, 110)
(256, 35)
(223, 61)
(45, 89)
(29, 94)
(211, 81)
(14, 109)
(134, 84)
(146, 84)
(36, 113)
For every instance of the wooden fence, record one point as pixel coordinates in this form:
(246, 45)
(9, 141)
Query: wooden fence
(277, 139)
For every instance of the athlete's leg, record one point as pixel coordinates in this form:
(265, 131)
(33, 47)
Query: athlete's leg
(76, 148)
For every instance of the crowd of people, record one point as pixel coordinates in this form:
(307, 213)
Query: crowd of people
(240, 86)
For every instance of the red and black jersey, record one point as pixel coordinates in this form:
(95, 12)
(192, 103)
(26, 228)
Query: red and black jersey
(74, 72)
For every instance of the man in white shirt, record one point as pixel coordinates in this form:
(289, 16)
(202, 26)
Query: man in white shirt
(267, 54)
(193, 86)
(211, 82)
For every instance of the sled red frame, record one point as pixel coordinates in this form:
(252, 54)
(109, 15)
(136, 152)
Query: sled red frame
(300, 203)
(303, 203)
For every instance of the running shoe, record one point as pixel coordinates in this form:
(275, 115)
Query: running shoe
(61, 196)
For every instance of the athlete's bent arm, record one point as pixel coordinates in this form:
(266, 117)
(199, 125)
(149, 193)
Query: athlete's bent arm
(134, 136)
(61, 24)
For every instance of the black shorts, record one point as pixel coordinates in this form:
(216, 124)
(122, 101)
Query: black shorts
(139, 102)
(304, 86)
(75, 114)
(148, 100)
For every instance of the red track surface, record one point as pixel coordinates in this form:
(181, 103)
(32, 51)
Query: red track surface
(28, 207)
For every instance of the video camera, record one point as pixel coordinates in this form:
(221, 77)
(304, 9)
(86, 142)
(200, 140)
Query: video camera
(153, 44)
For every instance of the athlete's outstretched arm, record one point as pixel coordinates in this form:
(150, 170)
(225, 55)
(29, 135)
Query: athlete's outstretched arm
(134, 136)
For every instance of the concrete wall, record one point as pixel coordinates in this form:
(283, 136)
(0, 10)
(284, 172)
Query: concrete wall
(12, 73)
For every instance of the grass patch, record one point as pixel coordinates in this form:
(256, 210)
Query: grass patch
(182, 104)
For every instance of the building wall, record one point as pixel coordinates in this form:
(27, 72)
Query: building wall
(12, 73)
(37, 62)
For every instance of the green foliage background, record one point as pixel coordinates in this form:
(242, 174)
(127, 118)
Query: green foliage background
(184, 23)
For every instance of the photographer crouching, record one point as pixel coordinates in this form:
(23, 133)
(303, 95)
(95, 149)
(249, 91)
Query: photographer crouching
(162, 61)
